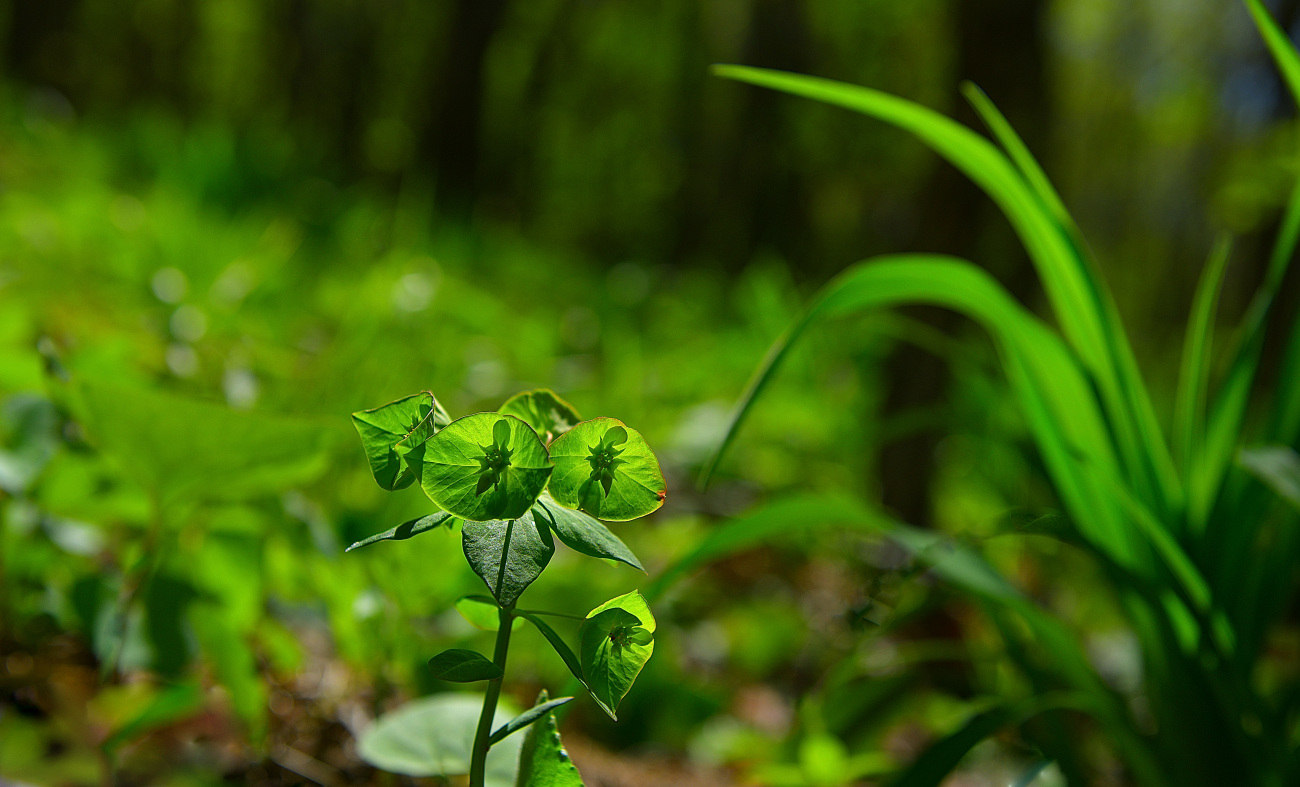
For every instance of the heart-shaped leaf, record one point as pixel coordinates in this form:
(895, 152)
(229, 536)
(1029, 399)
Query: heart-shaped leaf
(407, 529)
(543, 762)
(617, 640)
(606, 469)
(434, 736)
(407, 423)
(526, 546)
(543, 410)
(485, 467)
(463, 666)
(583, 534)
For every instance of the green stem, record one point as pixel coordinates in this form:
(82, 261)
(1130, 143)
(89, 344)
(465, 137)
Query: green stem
(505, 621)
(478, 761)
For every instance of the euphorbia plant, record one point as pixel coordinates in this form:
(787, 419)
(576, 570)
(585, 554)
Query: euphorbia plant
(515, 479)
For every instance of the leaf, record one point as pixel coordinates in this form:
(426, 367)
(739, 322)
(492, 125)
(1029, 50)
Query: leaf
(171, 704)
(485, 467)
(184, 448)
(434, 736)
(1278, 466)
(543, 410)
(1193, 378)
(463, 666)
(583, 534)
(527, 548)
(937, 761)
(408, 529)
(528, 717)
(606, 469)
(384, 428)
(1083, 307)
(560, 646)
(616, 642)
(481, 612)
(543, 762)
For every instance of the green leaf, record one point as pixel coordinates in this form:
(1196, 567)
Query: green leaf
(1055, 394)
(543, 410)
(1278, 466)
(463, 666)
(543, 762)
(583, 534)
(408, 529)
(560, 646)
(606, 469)
(485, 467)
(434, 736)
(1279, 46)
(481, 613)
(184, 448)
(526, 544)
(169, 705)
(528, 717)
(384, 428)
(616, 642)
(1193, 378)
(939, 760)
(1083, 307)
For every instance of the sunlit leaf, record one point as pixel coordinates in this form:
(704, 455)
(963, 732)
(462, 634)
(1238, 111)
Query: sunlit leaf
(543, 762)
(384, 428)
(617, 640)
(581, 533)
(434, 736)
(543, 410)
(526, 546)
(463, 666)
(484, 467)
(606, 468)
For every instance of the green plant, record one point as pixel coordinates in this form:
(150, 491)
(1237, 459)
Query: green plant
(1197, 552)
(514, 480)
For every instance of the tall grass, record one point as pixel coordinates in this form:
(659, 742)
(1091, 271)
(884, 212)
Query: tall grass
(1196, 548)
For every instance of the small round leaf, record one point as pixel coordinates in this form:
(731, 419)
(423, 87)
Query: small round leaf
(606, 468)
(484, 467)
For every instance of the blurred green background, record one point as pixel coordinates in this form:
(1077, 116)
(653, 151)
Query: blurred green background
(293, 210)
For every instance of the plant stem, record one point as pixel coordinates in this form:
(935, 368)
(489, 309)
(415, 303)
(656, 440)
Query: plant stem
(505, 621)
(478, 762)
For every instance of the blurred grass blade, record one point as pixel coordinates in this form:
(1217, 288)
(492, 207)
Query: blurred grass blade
(940, 758)
(1278, 467)
(1056, 396)
(1279, 46)
(1079, 300)
(1018, 151)
(1189, 408)
(980, 161)
(789, 517)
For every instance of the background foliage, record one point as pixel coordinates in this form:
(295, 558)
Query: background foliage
(225, 226)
